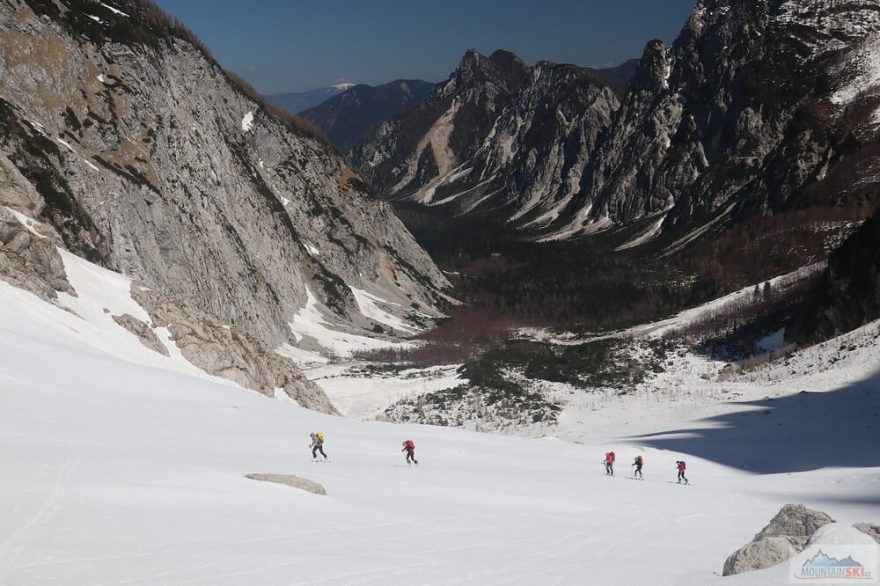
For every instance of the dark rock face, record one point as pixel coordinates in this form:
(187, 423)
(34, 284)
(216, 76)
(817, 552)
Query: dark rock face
(756, 108)
(347, 117)
(848, 295)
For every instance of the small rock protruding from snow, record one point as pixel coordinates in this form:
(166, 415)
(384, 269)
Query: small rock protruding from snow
(290, 480)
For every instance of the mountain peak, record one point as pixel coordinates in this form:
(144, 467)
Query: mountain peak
(501, 66)
(653, 68)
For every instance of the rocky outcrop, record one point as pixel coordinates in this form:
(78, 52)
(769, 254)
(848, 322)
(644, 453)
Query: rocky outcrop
(229, 351)
(786, 535)
(495, 133)
(29, 256)
(206, 195)
(872, 530)
(29, 260)
(290, 480)
(143, 331)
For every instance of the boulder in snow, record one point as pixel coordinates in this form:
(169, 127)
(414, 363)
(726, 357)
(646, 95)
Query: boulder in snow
(786, 535)
(872, 530)
(290, 480)
(143, 332)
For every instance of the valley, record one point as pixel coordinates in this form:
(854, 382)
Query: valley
(523, 269)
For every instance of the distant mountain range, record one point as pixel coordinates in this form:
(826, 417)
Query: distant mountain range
(296, 102)
(497, 134)
(347, 117)
(716, 129)
(619, 75)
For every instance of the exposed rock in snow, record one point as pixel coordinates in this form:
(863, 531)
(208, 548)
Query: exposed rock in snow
(786, 534)
(872, 530)
(143, 331)
(230, 352)
(290, 480)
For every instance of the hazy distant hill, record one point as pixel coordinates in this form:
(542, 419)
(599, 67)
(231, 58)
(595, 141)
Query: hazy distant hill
(296, 102)
(347, 117)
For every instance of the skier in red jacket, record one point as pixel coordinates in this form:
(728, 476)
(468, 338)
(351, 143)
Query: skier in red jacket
(681, 467)
(410, 448)
(609, 463)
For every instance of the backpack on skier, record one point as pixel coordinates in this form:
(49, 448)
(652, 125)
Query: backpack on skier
(320, 437)
(409, 445)
(639, 461)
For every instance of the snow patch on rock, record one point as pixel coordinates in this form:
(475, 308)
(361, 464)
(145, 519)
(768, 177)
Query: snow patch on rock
(247, 122)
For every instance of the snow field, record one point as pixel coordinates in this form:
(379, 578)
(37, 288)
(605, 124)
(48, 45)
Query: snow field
(124, 473)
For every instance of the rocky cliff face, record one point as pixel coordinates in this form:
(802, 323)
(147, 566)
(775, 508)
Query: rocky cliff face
(496, 133)
(347, 117)
(757, 107)
(144, 157)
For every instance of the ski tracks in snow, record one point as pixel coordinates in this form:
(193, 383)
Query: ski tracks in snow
(13, 546)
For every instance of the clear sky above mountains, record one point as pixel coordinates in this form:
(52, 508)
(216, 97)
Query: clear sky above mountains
(297, 45)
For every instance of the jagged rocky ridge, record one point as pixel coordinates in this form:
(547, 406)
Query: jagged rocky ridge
(496, 133)
(758, 107)
(346, 117)
(138, 153)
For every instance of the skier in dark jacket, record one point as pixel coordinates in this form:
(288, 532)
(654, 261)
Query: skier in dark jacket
(410, 448)
(638, 463)
(317, 445)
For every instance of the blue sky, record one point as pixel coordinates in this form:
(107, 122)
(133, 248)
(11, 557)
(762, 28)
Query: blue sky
(296, 45)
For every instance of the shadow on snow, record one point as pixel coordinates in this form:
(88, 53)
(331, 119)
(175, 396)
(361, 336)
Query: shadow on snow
(797, 433)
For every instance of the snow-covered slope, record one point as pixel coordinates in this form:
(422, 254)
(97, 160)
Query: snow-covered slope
(123, 473)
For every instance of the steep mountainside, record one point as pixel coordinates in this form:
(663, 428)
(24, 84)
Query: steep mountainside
(848, 295)
(136, 150)
(497, 133)
(757, 107)
(296, 102)
(346, 118)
